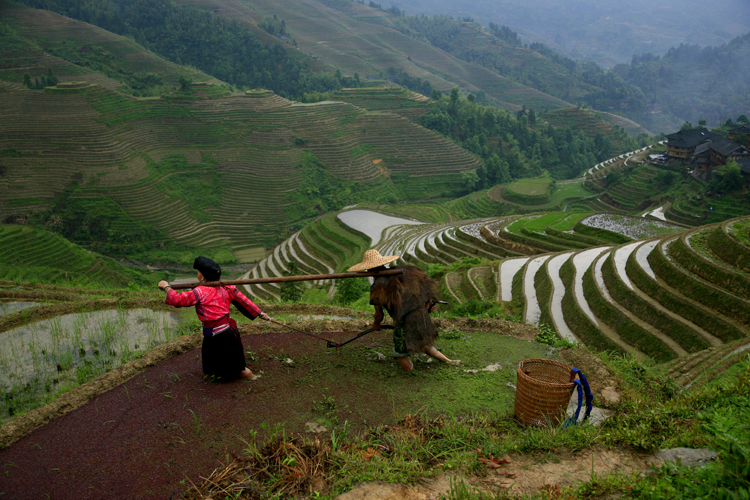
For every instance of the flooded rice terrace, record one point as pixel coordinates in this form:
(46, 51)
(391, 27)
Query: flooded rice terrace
(11, 307)
(44, 359)
(636, 228)
(372, 223)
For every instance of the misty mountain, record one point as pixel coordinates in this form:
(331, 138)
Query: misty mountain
(606, 31)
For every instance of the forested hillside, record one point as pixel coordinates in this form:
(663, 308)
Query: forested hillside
(219, 46)
(607, 33)
(693, 83)
(260, 49)
(689, 83)
(201, 151)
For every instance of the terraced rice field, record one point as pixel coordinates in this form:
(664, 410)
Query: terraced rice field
(668, 297)
(33, 254)
(109, 144)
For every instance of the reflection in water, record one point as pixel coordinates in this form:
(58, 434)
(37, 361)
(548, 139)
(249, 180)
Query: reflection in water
(11, 307)
(43, 359)
(372, 223)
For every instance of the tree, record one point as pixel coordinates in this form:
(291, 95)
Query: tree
(469, 179)
(453, 105)
(727, 178)
(291, 291)
(612, 179)
(497, 170)
(702, 123)
(666, 178)
(185, 84)
(51, 78)
(437, 120)
(350, 289)
(686, 126)
(27, 80)
(436, 95)
(743, 119)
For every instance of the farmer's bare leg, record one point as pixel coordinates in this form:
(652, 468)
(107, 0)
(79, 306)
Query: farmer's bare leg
(246, 373)
(406, 363)
(432, 351)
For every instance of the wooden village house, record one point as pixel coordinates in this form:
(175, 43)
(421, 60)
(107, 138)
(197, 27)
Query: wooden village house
(705, 150)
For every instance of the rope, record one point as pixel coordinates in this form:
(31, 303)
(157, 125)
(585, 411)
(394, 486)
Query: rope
(330, 342)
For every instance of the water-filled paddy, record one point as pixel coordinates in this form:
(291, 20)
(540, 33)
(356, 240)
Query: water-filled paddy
(533, 311)
(508, 270)
(46, 358)
(558, 291)
(621, 259)
(371, 223)
(582, 261)
(632, 227)
(11, 307)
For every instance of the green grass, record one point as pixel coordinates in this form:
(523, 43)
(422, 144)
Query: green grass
(741, 231)
(651, 416)
(569, 222)
(531, 187)
(539, 224)
(20, 202)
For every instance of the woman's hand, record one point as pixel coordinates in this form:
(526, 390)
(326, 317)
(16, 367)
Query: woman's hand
(163, 284)
(265, 316)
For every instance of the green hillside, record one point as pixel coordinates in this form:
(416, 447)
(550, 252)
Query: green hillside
(348, 36)
(210, 172)
(207, 166)
(355, 37)
(34, 255)
(602, 32)
(36, 41)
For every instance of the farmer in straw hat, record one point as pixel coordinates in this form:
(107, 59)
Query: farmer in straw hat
(409, 298)
(222, 352)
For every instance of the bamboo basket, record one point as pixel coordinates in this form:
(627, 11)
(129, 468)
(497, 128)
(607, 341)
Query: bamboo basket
(543, 391)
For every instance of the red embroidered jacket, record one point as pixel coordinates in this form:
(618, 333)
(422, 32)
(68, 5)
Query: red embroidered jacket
(212, 303)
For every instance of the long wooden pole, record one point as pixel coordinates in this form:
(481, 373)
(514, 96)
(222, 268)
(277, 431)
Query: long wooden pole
(284, 279)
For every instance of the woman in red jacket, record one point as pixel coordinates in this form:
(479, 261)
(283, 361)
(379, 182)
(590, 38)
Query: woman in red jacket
(222, 351)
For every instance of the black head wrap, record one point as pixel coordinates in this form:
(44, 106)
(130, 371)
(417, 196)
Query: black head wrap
(208, 268)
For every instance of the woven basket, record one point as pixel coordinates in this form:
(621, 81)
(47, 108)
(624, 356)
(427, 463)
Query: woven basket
(543, 391)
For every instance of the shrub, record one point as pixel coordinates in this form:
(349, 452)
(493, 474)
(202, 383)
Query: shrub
(350, 290)
(477, 309)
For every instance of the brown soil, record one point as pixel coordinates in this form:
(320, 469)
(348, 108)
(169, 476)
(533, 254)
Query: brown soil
(523, 475)
(140, 430)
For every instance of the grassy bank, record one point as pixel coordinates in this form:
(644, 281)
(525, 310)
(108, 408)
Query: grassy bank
(649, 417)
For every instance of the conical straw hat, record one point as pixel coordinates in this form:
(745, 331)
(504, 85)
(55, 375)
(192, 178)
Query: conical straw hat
(373, 259)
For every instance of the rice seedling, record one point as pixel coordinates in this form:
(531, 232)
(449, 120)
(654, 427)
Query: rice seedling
(41, 360)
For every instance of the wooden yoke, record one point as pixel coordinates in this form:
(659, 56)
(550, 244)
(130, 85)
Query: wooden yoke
(284, 279)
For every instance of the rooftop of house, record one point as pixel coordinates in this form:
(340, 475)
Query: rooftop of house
(690, 138)
(726, 147)
(742, 129)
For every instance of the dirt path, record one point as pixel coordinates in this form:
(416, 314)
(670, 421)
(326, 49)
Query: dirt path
(144, 438)
(141, 439)
(523, 474)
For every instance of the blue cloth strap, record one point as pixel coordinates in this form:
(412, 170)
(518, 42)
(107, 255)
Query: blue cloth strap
(582, 386)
